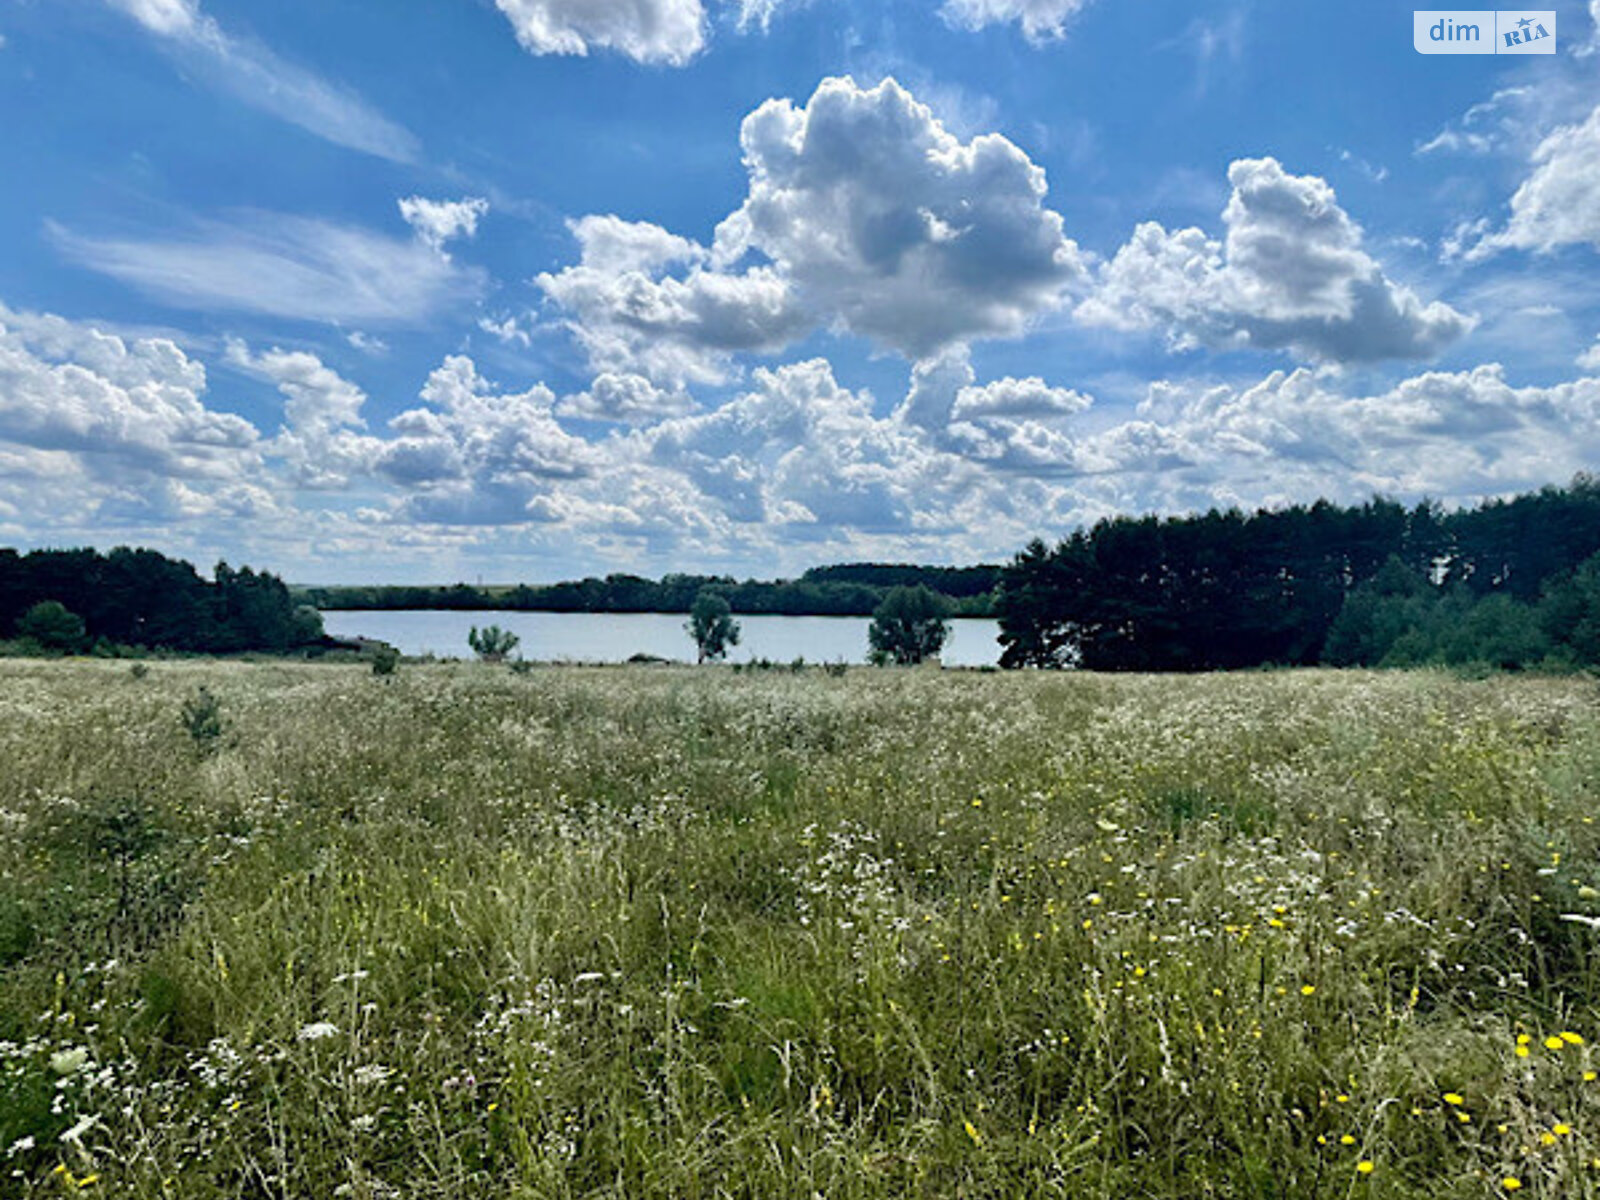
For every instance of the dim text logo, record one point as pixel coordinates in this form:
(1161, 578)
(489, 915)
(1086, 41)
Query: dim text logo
(1486, 31)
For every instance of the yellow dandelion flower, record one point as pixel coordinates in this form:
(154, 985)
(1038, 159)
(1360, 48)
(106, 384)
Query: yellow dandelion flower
(1561, 1130)
(1453, 1098)
(1309, 989)
(1511, 1183)
(972, 1132)
(1522, 1052)
(1464, 1118)
(1342, 1098)
(1570, 1038)
(1547, 1139)
(1553, 1043)
(1366, 1166)
(1589, 1076)
(1347, 1140)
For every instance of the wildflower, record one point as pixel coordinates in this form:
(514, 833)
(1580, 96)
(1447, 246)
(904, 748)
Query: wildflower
(1554, 1043)
(1347, 1140)
(1453, 1098)
(1511, 1183)
(1309, 989)
(1570, 1038)
(972, 1132)
(74, 1136)
(1561, 1130)
(65, 1062)
(1366, 1166)
(317, 1031)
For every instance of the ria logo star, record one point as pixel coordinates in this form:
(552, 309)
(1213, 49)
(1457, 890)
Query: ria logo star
(1524, 23)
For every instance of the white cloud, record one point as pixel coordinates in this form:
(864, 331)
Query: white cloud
(759, 14)
(322, 411)
(170, 18)
(1290, 273)
(643, 302)
(254, 74)
(508, 330)
(1557, 204)
(892, 228)
(1592, 46)
(625, 399)
(1589, 360)
(1018, 399)
(864, 215)
(1041, 20)
(649, 31)
(472, 455)
(796, 450)
(1487, 127)
(441, 221)
(367, 344)
(1451, 435)
(294, 267)
(131, 408)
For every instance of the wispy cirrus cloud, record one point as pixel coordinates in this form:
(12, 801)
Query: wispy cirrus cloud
(301, 268)
(254, 74)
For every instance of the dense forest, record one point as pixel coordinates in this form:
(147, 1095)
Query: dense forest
(851, 590)
(1509, 583)
(74, 600)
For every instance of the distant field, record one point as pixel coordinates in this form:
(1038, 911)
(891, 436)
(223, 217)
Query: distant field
(686, 933)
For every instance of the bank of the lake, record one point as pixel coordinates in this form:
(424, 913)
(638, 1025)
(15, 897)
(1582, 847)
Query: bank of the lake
(615, 637)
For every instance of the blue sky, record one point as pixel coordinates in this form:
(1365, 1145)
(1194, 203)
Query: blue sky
(531, 289)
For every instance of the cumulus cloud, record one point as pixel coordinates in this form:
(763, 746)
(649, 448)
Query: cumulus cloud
(1557, 204)
(474, 455)
(624, 399)
(133, 408)
(322, 414)
(891, 227)
(439, 221)
(864, 215)
(1290, 273)
(1018, 399)
(1041, 20)
(648, 31)
(796, 449)
(1589, 360)
(284, 266)
(643, 301)
(255, 75)
(1452, 435)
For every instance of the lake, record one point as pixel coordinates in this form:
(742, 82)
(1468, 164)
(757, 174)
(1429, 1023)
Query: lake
(614, 637)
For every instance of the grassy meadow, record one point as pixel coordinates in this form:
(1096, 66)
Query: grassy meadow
(638, 932)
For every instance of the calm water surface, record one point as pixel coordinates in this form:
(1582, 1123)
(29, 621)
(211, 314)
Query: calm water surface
(614, 637)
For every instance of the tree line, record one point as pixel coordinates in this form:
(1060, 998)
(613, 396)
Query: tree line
(76, 600)
(1508, 583)
(849, 590)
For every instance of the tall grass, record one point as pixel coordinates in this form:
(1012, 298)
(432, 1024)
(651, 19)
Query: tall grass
(647, 933)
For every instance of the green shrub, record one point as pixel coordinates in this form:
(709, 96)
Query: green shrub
(201, 718)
